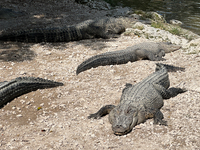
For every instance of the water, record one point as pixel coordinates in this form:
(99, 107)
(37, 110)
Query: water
(187, 11)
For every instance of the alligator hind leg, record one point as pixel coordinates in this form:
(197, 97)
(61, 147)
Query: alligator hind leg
(168, 93)
(172, 92)
(102, 112)
(158, 118)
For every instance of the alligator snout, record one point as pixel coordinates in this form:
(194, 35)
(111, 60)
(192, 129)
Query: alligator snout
(120, 130)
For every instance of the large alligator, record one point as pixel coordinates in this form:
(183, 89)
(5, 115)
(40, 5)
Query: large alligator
(147, 50)
(140, 102)
(22, 85)
(100, 28)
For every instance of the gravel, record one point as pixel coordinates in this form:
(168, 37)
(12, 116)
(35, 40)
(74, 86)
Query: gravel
(61, 121)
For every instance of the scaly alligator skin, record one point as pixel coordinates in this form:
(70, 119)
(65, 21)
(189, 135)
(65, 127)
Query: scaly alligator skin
(140, 102)
(22, 85)
(99, 28)
(147, 50)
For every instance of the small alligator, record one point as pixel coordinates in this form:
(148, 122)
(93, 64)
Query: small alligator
(140, 102)
(147, 50)
(22, 85)
(89, 29)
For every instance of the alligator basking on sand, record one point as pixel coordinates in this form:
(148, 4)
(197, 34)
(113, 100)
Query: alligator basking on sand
(22, 85)
(147, 50)
(100, 28)
(140, 102)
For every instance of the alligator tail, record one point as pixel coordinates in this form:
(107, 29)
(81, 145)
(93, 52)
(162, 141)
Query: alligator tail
(170, 68)
(22, 85)
(37, 35)
(109, 58)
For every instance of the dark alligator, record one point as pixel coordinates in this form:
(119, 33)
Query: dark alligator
(22, 85)
(147, 50)
(140, 102)
(100, 28)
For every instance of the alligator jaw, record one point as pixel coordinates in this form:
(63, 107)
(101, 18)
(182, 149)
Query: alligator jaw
(134, 123)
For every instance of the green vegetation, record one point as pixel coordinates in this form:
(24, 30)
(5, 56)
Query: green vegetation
(158, 25)
(176, 30)
(139, 27)
(151, 15)
(159, 22)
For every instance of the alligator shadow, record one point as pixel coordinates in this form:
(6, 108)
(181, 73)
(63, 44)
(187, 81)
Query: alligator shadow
(97, 43)
(93, 44)
(16, 53)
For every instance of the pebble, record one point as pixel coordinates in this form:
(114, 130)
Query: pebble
(22, 72)
(28, 103)
(14, 107)
(175, 22)
(20, 115)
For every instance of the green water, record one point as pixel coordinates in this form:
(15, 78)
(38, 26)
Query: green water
(187, 11)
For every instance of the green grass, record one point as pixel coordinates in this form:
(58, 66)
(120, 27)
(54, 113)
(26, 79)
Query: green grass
(174, 30)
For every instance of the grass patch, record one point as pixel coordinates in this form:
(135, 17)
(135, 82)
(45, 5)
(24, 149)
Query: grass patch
(158, 25)
(172, 29)
(175, 31)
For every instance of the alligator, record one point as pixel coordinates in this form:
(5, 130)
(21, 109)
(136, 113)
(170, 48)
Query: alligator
(147, 50)
(140, 102)
(107, 27)
(22, 85)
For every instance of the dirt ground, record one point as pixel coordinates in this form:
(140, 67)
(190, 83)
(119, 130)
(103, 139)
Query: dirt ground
(62, 122)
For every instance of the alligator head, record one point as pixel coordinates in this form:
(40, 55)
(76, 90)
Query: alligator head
(169, 47)
(123, 119)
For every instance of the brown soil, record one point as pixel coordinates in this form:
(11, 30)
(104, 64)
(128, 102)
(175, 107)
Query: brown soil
(62, 122)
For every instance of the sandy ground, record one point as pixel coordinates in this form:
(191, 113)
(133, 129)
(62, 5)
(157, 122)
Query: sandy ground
(62, 122)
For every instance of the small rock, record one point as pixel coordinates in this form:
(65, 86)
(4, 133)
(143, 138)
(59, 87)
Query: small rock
(92, 135)
(117, 78)
(101, 122)
(20, 115)
(28, 103)
(175, 22)
(14, 107)
(137, 127)
(31, 123)
(22, 72)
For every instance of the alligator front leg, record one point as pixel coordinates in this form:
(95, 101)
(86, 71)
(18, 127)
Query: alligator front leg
(147, 54)
(102, 112)
(158, 118)
(155, 57)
